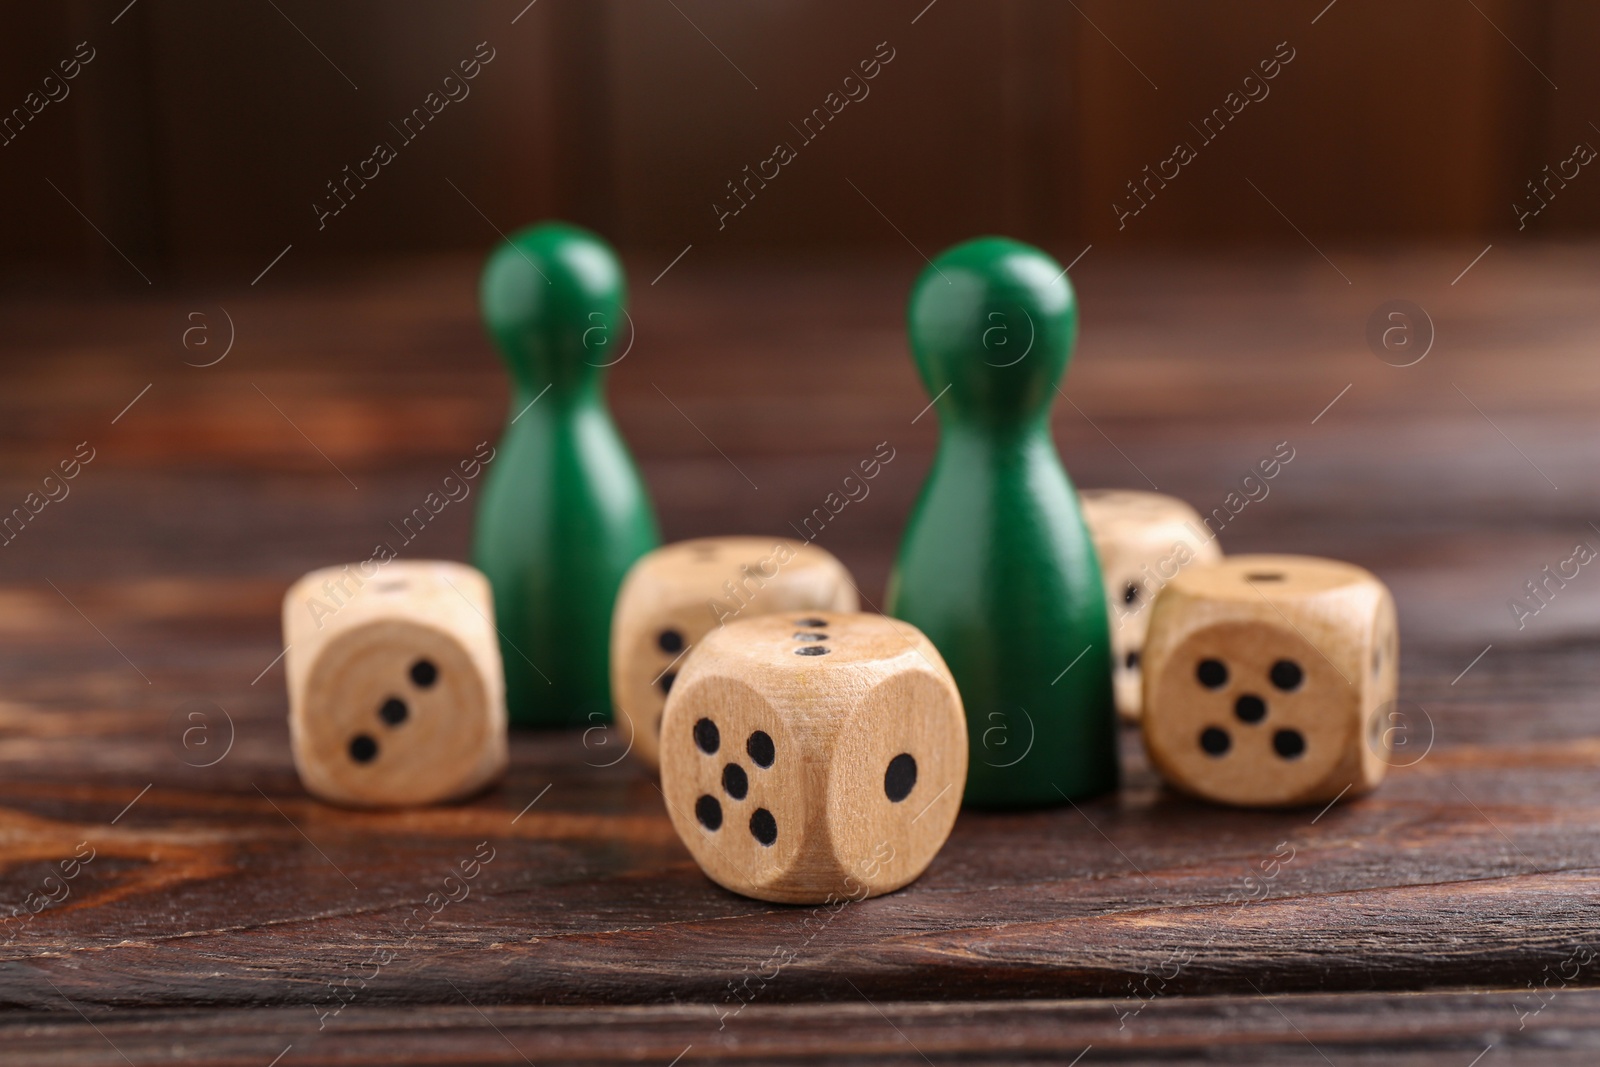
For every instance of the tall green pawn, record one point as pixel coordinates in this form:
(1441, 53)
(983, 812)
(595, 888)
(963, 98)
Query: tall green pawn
(996, 566)
(564, 511)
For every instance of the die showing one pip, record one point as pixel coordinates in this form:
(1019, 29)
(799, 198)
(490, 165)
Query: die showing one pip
(807, 758)
(396, 696)
(675, 595)
(1264, 680)
(1143, 541)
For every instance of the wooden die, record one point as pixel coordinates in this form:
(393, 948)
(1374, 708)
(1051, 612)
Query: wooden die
(1143, 541)
(1264, 680)
(674, 596)
(396, 695)
(807, 758)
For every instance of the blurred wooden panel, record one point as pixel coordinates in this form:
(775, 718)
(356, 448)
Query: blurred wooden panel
(261, 114)
(706, 89)
(36, 149)
(206, 133)
(1388, 120)
(1573, 117)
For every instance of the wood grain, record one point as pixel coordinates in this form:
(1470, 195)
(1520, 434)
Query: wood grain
(1313, 1029)
(226, 905)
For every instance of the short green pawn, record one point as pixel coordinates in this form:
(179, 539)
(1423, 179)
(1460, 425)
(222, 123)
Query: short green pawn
(564, 512)
(996, 566)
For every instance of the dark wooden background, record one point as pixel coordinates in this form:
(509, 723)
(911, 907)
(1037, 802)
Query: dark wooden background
(203, 132)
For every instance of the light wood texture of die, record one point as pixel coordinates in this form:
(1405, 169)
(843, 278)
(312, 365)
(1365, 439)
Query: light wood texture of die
(674, 596)
(1143, 540)
(814, 758)
(1266, 680)
(396, 696)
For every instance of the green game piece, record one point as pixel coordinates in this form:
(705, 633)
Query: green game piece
(996, 566)
(564, 512)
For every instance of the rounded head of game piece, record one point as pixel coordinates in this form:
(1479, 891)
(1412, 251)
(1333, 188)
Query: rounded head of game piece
(992, 321)
(552, 299)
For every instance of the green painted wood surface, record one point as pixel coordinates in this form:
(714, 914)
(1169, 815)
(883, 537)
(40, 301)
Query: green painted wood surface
(564, 511)
(996, 566)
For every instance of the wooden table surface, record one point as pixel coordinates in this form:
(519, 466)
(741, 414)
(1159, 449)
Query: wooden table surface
(196, 906)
